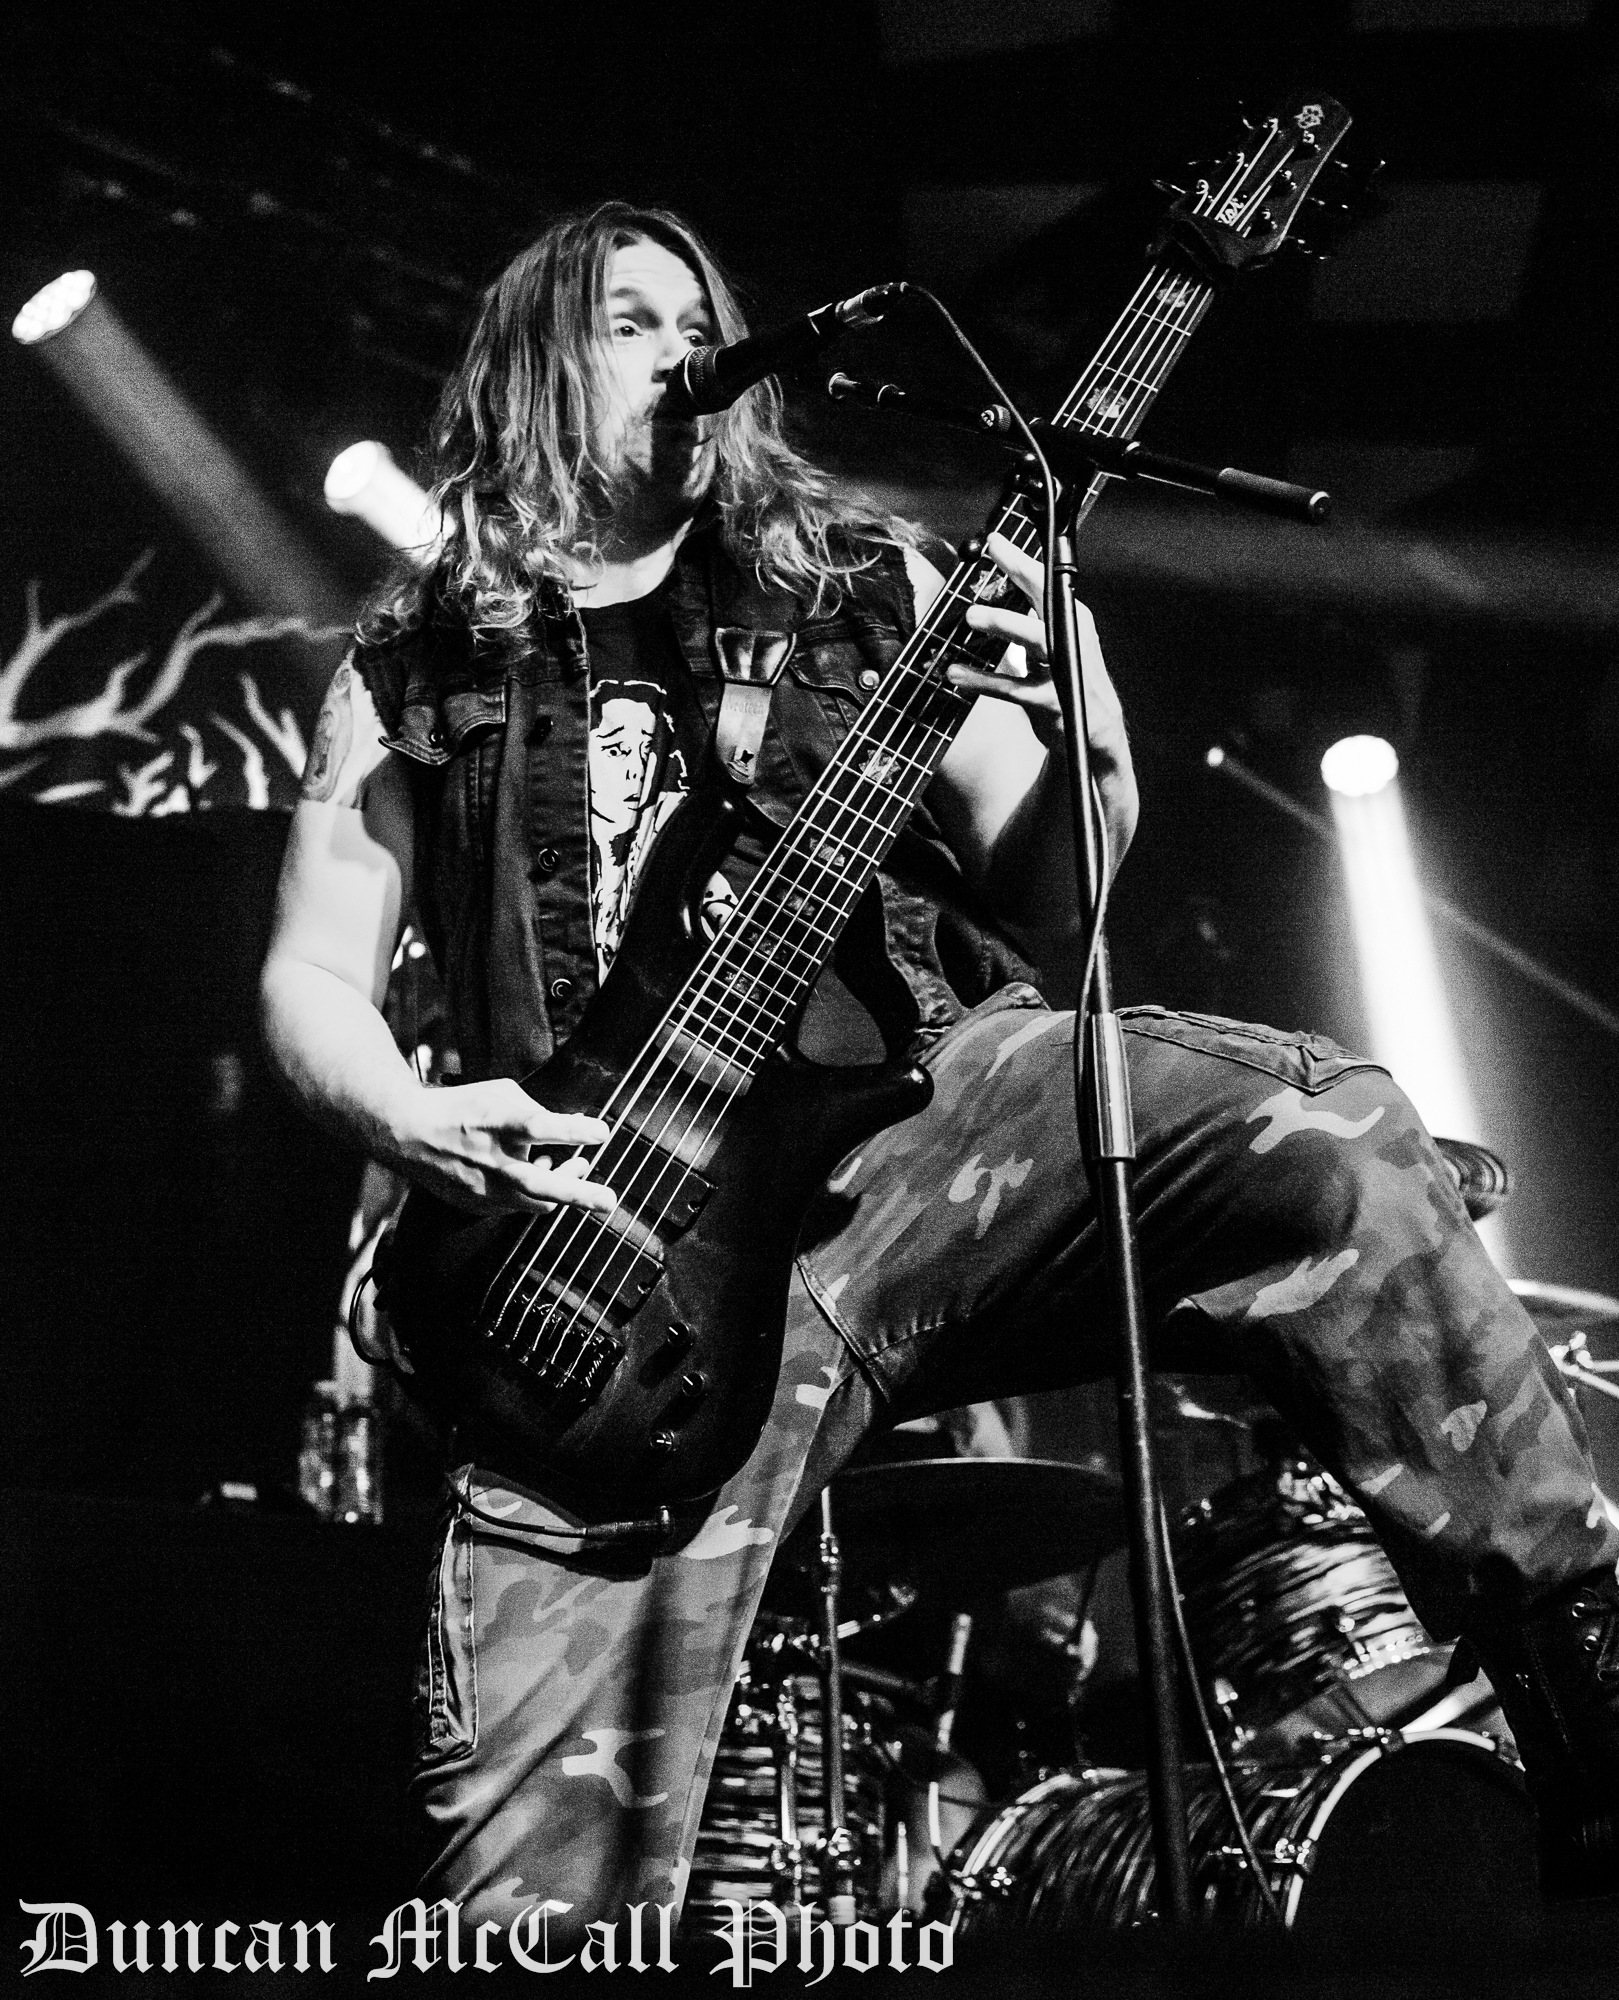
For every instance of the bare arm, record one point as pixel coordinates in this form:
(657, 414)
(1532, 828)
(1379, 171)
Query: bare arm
(1001, 794)
(345, 879)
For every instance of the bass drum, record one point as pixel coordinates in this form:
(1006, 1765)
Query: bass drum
(1427, 1831)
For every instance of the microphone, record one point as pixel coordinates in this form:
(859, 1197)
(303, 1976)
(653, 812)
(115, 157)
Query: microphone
(710, 379)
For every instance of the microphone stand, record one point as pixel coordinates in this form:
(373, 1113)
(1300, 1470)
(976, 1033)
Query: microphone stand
(1107, 1140)
(1080, 463)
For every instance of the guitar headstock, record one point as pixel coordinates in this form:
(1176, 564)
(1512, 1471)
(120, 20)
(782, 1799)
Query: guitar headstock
(1350, 194)
(1239, 212)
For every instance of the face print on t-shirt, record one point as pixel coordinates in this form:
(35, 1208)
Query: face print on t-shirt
(637, 778)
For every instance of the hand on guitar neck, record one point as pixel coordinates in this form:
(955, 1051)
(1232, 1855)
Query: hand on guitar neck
(1021, 862)
(1024, 675)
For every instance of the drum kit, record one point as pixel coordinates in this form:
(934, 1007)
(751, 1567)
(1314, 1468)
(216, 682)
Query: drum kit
(1371, 1769)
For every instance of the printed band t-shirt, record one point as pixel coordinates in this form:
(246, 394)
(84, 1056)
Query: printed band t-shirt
(647, 736)
(646, 743)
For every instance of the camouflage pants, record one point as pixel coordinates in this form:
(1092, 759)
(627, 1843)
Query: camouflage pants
(1295, 1222)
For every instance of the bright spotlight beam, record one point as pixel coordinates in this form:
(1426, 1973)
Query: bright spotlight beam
(124, 391)
(1218, 758)
(363, 480)
(1408, 1017)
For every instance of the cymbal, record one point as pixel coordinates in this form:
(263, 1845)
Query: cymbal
(960, 1528)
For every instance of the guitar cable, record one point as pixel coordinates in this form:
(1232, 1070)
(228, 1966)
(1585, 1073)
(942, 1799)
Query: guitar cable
(658, 1527)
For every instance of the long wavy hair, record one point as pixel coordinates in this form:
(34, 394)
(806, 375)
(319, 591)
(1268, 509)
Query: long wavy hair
(517, 475)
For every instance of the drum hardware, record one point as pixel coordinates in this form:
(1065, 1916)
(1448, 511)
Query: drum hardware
(999, 1882)
(763, 1831)
(778, 1630)
(1225, 1698)
(1565, 1317)
(837, 1846)
(961, 1631)
(787, 1852)
(1575, 1360)
(1385, 1739)
(1295, 1856)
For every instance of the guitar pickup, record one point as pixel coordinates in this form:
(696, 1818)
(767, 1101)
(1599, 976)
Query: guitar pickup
(685, 1207)
(639, 1284)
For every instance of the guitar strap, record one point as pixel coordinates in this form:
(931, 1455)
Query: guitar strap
(750, 664)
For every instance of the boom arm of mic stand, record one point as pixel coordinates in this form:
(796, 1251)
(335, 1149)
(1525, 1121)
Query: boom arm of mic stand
(1077, 453)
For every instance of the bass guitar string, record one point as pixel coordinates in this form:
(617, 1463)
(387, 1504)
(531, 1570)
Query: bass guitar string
(1142, 389)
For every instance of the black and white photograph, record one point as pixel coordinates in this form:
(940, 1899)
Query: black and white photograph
(809, 955)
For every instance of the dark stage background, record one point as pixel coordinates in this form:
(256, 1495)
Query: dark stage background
(293, 209)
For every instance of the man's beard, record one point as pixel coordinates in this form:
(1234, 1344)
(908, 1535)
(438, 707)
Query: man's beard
(658, 469)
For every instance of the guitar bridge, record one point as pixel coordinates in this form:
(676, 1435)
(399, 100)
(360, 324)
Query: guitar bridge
(576, 1379)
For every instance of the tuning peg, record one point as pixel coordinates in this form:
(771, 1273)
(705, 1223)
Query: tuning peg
(1169, 187)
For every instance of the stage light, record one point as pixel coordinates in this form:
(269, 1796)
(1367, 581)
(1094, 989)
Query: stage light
(363, 480)
(1408, 1016)
(54, 308)
(125, 391)
(1358, 766)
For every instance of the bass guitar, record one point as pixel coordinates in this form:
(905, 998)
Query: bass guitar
(629, 1361)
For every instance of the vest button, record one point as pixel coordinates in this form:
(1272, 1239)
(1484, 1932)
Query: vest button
(545, 863)
(870, 677)
(435, 737)
(560, 988)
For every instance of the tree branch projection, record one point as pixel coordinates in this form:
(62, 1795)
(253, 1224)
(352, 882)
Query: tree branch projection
(179, 776)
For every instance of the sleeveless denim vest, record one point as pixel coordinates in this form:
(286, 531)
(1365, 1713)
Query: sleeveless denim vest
(495, 740)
